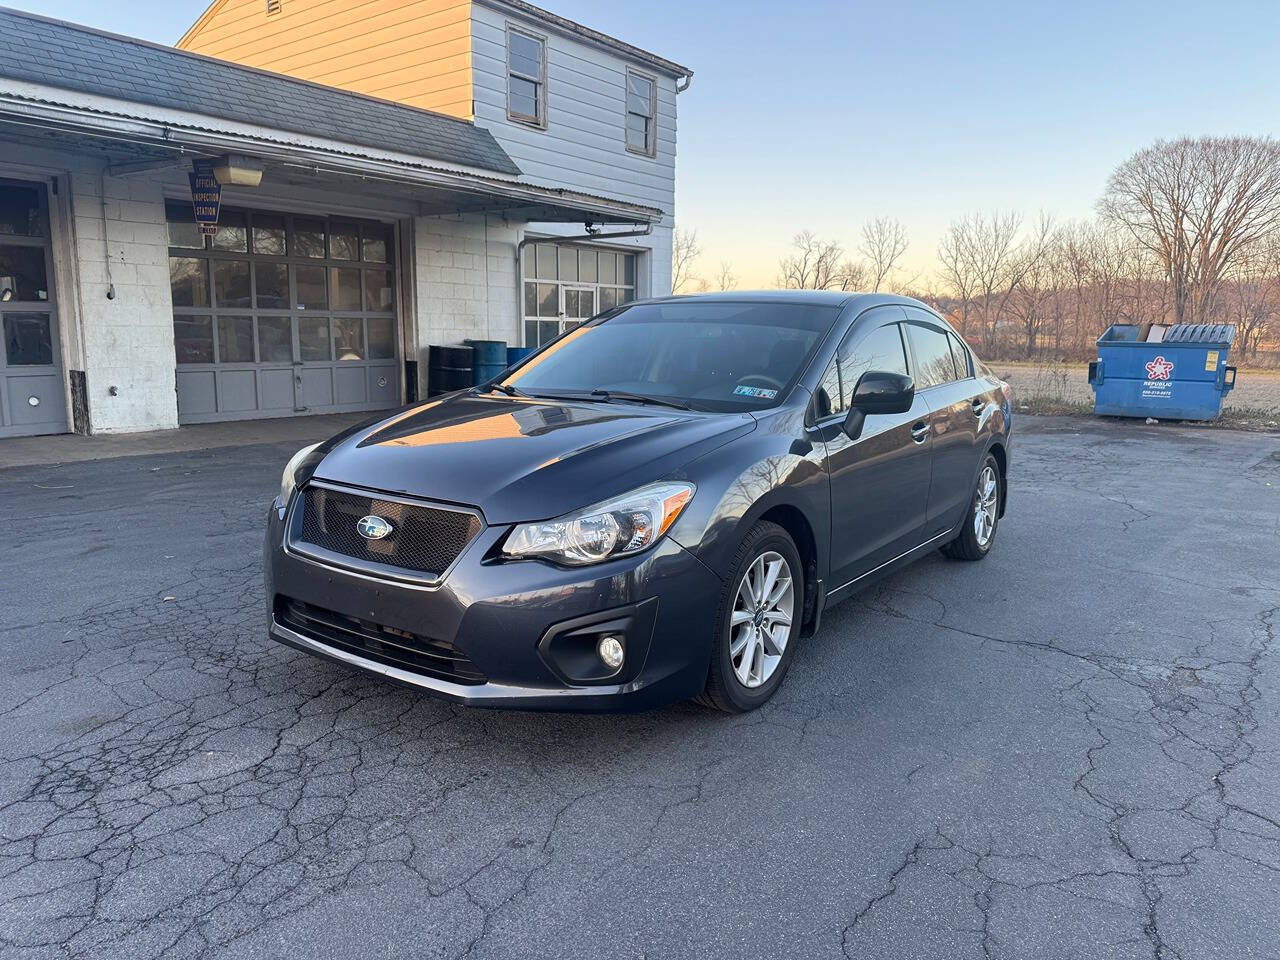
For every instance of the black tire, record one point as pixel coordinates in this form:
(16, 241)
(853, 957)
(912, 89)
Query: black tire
(967, 546)
(724, 691)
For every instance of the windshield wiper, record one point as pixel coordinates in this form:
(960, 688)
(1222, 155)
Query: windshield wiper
(608, 395)
(506, 388)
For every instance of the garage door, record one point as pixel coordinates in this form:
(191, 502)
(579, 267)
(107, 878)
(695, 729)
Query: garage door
(32, 397)
(279, 315)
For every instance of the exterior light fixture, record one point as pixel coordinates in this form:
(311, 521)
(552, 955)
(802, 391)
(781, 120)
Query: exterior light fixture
(236, 170)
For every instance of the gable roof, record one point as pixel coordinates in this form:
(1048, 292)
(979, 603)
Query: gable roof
(68, 56)
(529, 10)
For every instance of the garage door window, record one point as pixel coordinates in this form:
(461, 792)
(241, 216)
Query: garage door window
(22, 212)
(565, 284)
(22, 273)
(28, 339)
(268, 235)
(282, 313)
(274, 340)
(271, 290)
(189, 281)
(193, 339)
(231, 282)
(235, 339)
(313, 339)
(233, 232)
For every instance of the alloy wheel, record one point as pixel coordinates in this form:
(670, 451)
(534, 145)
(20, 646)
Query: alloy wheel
(986, 500)
(760, 626)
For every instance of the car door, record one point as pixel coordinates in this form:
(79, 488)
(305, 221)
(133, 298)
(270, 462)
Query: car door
(944, 378)
(880, 481)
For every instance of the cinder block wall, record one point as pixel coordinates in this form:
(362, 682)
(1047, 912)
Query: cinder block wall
(128, 338)
(465, 279)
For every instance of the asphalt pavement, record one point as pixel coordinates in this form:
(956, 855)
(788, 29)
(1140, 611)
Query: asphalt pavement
(1068, 750)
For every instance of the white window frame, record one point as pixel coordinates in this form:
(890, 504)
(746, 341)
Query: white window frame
(630, 291)
(651, 138)
(539, 122)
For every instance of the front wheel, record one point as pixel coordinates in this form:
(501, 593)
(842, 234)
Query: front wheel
(978, 532)
(761, 607)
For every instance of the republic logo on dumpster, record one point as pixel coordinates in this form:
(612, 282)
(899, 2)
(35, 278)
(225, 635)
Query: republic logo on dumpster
(1159, 369)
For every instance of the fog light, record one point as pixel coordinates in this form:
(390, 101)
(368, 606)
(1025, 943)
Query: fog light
(611, 652)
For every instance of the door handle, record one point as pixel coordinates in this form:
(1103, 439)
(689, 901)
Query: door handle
(978, 406)
(920, 432)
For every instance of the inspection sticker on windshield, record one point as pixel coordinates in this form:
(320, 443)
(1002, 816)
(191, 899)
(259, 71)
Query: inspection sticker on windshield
(760, 393)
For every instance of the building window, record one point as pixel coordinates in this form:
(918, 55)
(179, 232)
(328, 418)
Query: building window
(273, 6)
(642, 114)
(565, 284)
(249, 292)
(526, 77)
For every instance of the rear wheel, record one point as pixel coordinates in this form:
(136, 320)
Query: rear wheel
(761, 606)
(978, 532)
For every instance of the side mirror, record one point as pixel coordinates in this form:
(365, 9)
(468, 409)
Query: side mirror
(878, 391)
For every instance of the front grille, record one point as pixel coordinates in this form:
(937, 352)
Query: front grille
(375, 641)
(424, 539)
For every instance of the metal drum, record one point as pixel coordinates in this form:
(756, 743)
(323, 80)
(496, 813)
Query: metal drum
(488, 360)
(449, 368)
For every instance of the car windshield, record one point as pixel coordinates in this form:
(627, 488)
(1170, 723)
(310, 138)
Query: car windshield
(718, 355)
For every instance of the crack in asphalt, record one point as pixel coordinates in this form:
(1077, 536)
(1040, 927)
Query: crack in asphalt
(941, 775)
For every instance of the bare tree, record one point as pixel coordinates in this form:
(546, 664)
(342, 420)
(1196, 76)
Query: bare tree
(684, 254)
(884, 241)
(992, 256)
(1198, 205)
(1251, 297)
(815, 265)
(957, 270)
(1033, 281)
(726, 279)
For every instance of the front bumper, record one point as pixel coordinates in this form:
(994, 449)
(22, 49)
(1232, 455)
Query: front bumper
(506, 618)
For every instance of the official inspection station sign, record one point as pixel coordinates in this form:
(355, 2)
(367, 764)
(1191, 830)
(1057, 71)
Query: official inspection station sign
(206, 195)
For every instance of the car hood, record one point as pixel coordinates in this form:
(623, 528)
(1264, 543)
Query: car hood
(523, 458)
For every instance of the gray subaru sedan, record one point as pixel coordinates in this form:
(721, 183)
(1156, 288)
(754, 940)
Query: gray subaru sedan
(658, 505)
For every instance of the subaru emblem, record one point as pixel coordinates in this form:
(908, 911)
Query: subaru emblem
(373, 528)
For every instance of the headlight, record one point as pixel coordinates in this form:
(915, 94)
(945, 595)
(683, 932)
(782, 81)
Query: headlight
(287, 481)
(616, 528)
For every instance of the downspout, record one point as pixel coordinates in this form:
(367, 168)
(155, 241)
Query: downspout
(646, 231)
(106, 247)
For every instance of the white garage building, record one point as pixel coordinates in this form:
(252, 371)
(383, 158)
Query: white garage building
(376, 229)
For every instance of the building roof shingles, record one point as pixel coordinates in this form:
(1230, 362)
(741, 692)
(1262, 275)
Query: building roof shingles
(37, 49)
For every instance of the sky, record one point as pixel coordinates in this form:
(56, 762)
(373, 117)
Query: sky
(820, 115)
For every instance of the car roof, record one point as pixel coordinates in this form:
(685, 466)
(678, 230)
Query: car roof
(835, 298)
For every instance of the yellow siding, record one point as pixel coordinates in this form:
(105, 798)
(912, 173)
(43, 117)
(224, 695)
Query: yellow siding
(414, 51)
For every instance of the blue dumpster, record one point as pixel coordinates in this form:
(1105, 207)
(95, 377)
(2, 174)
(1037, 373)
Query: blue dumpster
(1181, 373)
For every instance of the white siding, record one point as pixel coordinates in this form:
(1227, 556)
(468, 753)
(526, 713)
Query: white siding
(583, 146)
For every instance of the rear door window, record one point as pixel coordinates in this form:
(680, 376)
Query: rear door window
(961, 357)
(932, 350)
